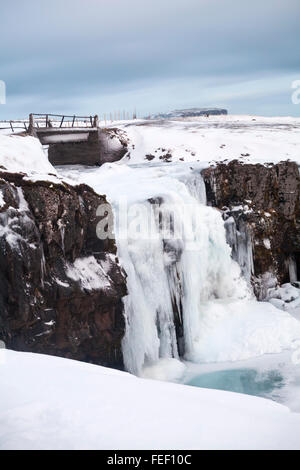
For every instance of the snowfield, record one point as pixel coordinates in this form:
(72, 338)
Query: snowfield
(252, 139)
(52, 403)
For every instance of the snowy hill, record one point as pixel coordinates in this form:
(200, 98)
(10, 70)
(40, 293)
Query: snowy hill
(52, 403)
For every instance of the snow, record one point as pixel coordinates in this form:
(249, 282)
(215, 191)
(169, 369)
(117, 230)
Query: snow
(63, 138)
(24, 154)
(76, 405)
(251, 139)
(53, 403)
(167, 369)
(237, 330)
(61, 283)
(287, 298)
(12, 219)
(2, 202)
(89, 273)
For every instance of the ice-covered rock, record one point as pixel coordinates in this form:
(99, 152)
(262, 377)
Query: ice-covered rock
(58, 295)
(262, 212)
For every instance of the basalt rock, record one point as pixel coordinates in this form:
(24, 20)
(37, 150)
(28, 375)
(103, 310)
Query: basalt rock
(61, 287)
(261, 207)
(113, 144)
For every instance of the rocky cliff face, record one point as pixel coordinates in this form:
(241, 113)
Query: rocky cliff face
(61, 287)
(261, 207)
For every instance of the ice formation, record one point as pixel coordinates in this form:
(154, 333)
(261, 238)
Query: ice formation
(188, 291)
(167, 273)
(195, 276)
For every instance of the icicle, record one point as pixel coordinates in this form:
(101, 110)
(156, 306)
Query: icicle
(62, 234)
(62, 229)
(43, 265)
(241, 243)
(292, 269)
(167, 271)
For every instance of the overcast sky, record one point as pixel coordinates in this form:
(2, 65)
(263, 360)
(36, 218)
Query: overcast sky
(99, 56)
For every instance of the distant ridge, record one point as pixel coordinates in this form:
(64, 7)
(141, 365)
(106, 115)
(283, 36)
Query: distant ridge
(190, 112)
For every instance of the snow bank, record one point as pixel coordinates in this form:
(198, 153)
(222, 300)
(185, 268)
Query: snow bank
(237, 330)
(287, 298)
(165, 369)
(24, 154)
(287, 294)
(52, 403)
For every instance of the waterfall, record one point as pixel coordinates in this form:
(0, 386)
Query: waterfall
(187, 297)
(175, 254)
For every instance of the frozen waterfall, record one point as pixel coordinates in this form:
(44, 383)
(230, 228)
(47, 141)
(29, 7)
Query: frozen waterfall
(176, 261)
(186, 296)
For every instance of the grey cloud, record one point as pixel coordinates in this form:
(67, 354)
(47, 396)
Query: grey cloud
(67, 51)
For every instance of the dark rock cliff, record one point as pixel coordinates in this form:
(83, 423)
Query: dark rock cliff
(61, 287)
(261, 207)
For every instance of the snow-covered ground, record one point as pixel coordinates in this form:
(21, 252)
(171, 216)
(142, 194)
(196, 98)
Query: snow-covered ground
(52, 403)
(81, 406)
(253, 139)
(25, 155)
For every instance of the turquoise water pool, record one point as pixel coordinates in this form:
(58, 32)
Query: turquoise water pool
(248, 381)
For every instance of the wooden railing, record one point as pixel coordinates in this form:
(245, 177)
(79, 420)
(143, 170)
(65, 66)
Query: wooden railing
(38, 121)
(47, 121)
(44, 121)
(14, 125)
